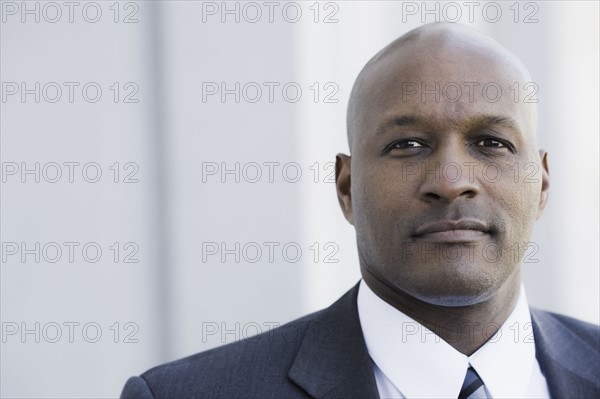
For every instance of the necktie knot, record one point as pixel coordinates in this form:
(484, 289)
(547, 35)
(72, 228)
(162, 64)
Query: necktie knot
(472, 387)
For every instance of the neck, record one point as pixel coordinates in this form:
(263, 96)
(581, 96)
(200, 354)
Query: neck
(473, 325)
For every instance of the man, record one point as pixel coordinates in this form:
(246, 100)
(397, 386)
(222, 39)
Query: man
(437, 192)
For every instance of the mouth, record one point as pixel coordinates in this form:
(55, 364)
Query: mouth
(453, 231)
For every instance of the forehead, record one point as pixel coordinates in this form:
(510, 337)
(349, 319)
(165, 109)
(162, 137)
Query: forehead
(444, 82)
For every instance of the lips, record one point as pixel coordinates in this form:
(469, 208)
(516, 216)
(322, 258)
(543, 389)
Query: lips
(462, 230)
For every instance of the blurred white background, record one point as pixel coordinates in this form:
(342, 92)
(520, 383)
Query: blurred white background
(145, 94)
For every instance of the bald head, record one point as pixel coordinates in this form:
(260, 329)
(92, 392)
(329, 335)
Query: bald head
(439, 139)
(448, 64)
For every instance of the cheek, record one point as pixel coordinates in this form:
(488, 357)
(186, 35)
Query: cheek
(518, 197)
(381, 197)
(528, 207)
(367, 193)
(373, 187)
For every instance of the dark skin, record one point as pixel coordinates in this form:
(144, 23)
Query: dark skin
(443, 192)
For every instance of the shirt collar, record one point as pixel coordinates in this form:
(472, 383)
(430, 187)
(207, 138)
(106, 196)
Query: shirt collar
(420, 364)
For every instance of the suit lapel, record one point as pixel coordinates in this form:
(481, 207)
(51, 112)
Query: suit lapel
(562, 358)
(332, 360)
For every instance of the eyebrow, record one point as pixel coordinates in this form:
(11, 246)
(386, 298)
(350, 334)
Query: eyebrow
(478, 120)
(399, 121)
(504, 121)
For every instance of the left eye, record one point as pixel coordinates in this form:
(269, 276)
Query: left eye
(491, 143)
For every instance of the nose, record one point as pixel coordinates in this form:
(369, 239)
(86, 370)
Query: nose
(447, 179)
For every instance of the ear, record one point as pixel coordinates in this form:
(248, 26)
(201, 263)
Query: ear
(342, 184)
(545, 183)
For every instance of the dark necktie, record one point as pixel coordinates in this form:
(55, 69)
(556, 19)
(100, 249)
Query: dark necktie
(473, 386)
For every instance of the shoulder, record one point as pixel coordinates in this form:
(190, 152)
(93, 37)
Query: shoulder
(568, 351)
(567, 328)
(256, 367)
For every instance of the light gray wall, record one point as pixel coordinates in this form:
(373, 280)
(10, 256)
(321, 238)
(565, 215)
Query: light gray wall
(176, 302)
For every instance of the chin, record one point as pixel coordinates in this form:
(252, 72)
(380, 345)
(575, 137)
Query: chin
(455, 291)
(455, 300)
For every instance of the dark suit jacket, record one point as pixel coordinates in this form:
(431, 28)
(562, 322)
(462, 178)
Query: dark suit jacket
(323, 355)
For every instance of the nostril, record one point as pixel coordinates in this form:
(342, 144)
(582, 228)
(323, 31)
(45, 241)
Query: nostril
(469, 194)
(432, 196)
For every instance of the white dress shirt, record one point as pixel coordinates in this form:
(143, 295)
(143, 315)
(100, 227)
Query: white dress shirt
(413, 362)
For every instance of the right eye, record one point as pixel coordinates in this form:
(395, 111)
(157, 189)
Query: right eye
(407, 144)
(404, 144)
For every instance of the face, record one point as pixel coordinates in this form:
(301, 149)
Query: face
(445, 182)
